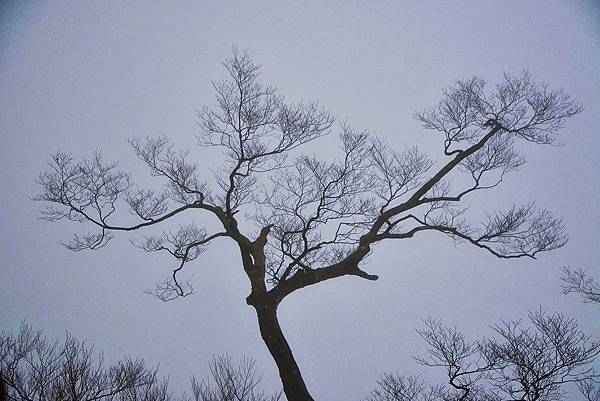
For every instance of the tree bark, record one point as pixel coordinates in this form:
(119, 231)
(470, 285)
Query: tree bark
(3, 390)
(270, 331)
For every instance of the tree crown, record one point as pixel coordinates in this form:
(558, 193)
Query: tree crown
(317, 219)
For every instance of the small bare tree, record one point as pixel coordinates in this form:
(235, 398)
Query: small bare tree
(461, 359)
(534, 363)
(298, 220)
(578, 282)
(519, 363)
(230, 382)
(393, 387)
(33, 368)
(36, 369)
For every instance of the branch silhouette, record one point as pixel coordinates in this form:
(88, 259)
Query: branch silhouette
(299, 219)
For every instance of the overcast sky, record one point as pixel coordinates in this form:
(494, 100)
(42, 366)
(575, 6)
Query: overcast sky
(85, 75)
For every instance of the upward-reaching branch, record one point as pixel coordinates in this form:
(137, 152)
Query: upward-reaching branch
(480, 130)
(255, 126)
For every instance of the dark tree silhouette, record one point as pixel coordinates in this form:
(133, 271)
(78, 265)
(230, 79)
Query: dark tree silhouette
(578, 282)
(519, 363)
(3, 396)
(393, 387)
(231, 382)
(37, 369)
(298, 220)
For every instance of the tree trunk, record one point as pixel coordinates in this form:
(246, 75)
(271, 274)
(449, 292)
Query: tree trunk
(3, 389)
(293, 383)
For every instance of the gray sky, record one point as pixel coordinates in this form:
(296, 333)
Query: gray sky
(81, 76)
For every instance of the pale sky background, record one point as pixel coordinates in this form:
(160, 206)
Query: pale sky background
(86, 75)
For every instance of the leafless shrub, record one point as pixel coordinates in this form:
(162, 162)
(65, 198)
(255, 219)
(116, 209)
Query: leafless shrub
(35, 368)
(393, 387)
(229, 382)
(533, 363)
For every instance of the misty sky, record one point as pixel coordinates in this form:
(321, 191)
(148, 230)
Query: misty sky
(82, 76)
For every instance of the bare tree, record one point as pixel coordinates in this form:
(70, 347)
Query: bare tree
(37, 369)
(393, 387)
(578, 282)
(308, 220)
(461, 359)
(532, 363)
(230, 382)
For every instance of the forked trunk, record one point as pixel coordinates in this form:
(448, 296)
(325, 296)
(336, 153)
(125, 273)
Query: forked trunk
(293, 383)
